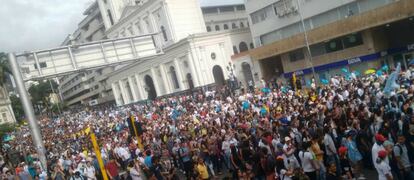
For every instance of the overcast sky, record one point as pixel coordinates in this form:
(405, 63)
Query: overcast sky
(38, 24)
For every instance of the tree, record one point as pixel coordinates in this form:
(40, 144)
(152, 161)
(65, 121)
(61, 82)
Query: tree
(40, 93)
(6, 128)
(4, 68)
(17, 107)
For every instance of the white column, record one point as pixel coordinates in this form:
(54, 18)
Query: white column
(168, 87)
(140, 87)
(205, 69)
(133, 89)
(194, 75)
(155, 80)
(124, 91)
(116, 94)
(179, 74)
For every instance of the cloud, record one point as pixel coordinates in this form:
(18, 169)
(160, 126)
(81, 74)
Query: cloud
(38, 24)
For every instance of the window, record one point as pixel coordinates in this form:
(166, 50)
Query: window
(334, 45)
(4, 116)
(318, 49)
(110, 17)
(164, 33)
(352, 40)
(41, 64)
(226, 26)
(131, 31)
(174, 77)
(209, 10)
(226, 9)
(296, 55)
(251, 46)
(241, 25)
(217, 28)
(208, 29)
(243, 47)
(138, 27)
(235, 51)
(260, 15)
(240, 8)
(233, 26)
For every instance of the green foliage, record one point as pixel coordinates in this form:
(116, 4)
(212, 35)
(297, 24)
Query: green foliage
(40, 92)
(4, 68)
(6, 128)
(17, 107)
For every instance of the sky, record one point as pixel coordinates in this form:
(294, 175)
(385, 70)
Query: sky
(27, 25)
(38, 24)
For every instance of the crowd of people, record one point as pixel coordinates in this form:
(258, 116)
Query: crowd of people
(273, 131)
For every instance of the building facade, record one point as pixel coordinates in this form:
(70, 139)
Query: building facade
(194, 55)
(88, 87)
(351, 34)
(6, 111)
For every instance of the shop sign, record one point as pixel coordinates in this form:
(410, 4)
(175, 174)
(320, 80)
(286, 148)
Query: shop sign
(354, 60)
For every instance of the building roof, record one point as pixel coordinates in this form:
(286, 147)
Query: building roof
(214, 3)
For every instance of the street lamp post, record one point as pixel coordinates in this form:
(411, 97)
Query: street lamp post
(232, 77)
(305, 32)
(28, 109)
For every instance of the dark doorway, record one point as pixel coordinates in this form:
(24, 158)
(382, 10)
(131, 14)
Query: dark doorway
(272, 68)
(152, 93)
(190, 81)
(247, 72)
(218, 75)
(243, 47)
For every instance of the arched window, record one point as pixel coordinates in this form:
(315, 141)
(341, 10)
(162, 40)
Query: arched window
(208, 29)
(164, 33)
(243, 47)
(226, 26)
(217, 28)
(241, 25)
(174, 77)
(233, 26)
(235, 51)
(251, 46)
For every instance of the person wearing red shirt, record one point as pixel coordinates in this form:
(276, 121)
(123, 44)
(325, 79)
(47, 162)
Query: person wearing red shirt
(112, 169)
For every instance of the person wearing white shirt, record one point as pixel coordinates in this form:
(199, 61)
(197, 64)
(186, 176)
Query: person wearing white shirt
(377, 147)
(308, 160)
(383, 168)
(90, 171)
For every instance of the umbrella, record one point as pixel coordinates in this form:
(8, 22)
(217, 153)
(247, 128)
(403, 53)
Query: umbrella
(345, 70)
(324, 81)
(369, 71)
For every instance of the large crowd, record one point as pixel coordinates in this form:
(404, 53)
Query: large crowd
(274, 131)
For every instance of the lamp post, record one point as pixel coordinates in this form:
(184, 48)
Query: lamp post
(305, 32)
(232, 77)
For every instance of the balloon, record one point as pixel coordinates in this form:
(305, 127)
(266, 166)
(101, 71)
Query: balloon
(357, 73)
(385, 68)
(369, 71)
(379, 73)
(324, 81)
(345, 70)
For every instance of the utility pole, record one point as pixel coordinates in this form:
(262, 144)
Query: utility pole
(305, 32)
(28, 109)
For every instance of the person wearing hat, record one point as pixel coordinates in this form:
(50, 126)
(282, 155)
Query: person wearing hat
(378, 146)
(345, 165)
(383, 168)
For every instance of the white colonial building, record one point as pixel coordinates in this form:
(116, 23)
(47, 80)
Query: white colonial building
(6, 111)
(194, 54)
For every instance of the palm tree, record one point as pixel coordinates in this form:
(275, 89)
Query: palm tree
(4, 68)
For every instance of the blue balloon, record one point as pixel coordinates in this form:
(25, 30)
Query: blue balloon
(356, 73)
(324, 81)
(345, 70)
(385, 68)
(379, 73)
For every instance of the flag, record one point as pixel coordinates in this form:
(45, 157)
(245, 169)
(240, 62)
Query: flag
(87, 130)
